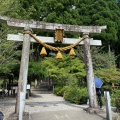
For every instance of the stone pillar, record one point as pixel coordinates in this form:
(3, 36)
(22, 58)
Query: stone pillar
(22, 82)
(89, 74)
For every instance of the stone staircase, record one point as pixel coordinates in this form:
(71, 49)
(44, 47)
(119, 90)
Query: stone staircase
(43, 88)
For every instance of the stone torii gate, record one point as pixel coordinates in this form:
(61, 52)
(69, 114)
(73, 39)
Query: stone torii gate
(28, 26)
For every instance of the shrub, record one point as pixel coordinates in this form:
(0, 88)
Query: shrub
(63, 90)
(76, 95)
(83, 95)
(72, 94)
(115, 96)
(57, 91)
(60, 90)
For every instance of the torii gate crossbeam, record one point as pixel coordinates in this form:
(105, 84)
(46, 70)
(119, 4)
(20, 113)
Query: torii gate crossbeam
(50, 40)
(20, 24)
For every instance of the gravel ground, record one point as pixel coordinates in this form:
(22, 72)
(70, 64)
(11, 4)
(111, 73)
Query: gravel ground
(7, 106)
(43, 102)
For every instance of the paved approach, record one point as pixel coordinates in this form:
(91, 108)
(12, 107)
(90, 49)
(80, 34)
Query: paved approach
(47, 106)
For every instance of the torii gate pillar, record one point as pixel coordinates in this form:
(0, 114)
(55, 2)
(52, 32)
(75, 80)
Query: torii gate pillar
(22, 82)
(89, 74)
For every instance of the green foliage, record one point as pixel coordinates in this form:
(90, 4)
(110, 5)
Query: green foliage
(72, 94)
(105, 15)
(57, 91)
(83, 95)
(115, 96)
(61, 90)
(108, 76)
(10, 8)
(76, 95)
(9, 53)
(63, 71)
(9, 62)
(35, 69)
(5, 6)
(100, 58)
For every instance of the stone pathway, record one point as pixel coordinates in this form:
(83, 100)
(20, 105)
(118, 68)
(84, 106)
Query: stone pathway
(44, 106)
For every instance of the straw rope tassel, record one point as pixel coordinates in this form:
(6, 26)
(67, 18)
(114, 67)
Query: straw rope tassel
(43, 52)
(72, 52)
(59, 55)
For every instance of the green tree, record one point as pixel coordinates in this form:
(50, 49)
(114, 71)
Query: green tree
(9, 54)
(81, 12)
(10, 51)
(68, 71)
(100, 58)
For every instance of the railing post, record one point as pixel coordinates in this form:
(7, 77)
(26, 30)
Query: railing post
(108, 105)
